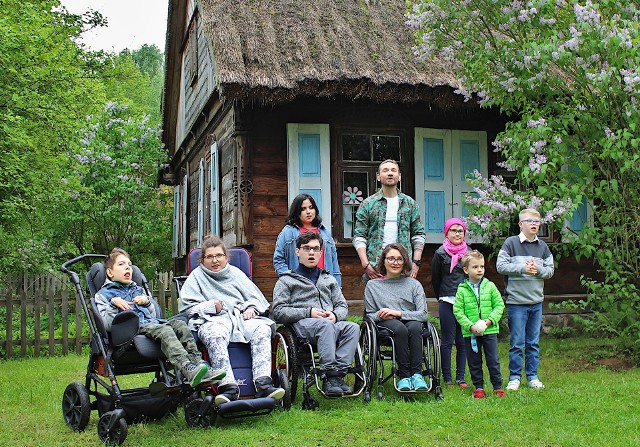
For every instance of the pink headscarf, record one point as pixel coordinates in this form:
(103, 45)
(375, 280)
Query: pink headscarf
(456, 251)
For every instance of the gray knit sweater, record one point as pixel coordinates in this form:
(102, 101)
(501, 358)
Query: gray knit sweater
(294, 296)
(403, 294)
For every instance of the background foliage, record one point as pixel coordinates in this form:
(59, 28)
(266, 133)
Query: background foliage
(567, 73)
(51, 87)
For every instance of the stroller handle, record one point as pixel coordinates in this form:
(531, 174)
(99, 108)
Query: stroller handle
(65, 266)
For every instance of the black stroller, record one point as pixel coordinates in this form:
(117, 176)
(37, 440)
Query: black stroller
(121, 351)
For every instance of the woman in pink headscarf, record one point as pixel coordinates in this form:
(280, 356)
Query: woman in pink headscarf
(446, 275)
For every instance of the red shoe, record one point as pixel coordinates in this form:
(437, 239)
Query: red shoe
(499, 393)
(462, 384)
(479, 394)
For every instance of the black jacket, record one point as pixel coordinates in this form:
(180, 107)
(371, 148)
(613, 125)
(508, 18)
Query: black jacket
(443, 282)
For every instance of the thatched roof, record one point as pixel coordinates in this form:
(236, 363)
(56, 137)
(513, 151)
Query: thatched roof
(275, 50)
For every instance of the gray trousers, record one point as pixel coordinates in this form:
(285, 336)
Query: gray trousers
(336, 343)
(176, 341)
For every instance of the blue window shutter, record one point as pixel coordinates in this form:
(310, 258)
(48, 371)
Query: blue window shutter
(184, 229)
(469, 158)
(434, 204)
(433, 159)
(309, 169)
(201, 174)
(215, 200)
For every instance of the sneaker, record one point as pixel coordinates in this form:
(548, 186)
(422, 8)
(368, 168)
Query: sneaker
(462, 384)
(265, 388)
(213, 376)
(331, 387)
(194, 372)
(227, 393)
(404, 384)
(499, 393)
(418, 382)
(479, 394)
(513, 385)
(344, 386)
(536, 384)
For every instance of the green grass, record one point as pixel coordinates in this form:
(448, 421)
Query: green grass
(583, 404)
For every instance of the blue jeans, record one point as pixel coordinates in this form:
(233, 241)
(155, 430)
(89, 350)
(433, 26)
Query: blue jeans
(525, 321)
(451, 334)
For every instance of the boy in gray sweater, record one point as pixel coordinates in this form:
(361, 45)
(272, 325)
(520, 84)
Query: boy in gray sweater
(311, 300)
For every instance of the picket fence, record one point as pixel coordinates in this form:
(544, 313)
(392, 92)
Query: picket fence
(42, 314)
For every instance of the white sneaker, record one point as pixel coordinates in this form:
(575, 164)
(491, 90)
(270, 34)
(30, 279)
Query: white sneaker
(513, 385)
(535, 383)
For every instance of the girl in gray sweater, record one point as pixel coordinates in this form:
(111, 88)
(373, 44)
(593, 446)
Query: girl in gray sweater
(397, 304)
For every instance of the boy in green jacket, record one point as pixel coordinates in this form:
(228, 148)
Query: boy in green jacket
(478, 308)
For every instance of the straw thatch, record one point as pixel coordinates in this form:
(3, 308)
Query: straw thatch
(275, 50)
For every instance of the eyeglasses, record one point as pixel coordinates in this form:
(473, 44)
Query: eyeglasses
(218, 257)
(392, 260)
(456, 231)
(531, 221)
(307, 249)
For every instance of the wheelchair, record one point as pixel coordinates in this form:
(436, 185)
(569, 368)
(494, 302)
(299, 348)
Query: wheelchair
(200, 409)
(297, 358)
(379, 352)
(121, 351)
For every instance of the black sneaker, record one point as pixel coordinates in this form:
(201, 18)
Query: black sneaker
(331, 387)
(227, 393)
(344, 386)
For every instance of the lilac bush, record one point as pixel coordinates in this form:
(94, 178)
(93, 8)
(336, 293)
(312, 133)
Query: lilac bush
(567, 71)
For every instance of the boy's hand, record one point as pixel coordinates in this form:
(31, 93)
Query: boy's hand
(318, 313)
(475, 331)
(331, 317)
(121, 304)
(141, 300)
(531, 267)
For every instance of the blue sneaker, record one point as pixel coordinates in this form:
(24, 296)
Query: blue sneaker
(404, 384)
(418, 382)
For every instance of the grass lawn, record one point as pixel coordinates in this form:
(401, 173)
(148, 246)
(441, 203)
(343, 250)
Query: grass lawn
(584, 403)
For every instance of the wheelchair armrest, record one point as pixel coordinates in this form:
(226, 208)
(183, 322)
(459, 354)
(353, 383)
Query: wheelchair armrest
(124, 327)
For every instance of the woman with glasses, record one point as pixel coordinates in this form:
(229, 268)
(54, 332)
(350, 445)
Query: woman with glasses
(397, 302)
(303, 216)
(223, 305)
(446, 275)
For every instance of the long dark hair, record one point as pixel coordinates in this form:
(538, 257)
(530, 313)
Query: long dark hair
(296, 208)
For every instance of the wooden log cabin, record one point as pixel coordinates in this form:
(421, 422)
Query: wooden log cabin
(268, 98)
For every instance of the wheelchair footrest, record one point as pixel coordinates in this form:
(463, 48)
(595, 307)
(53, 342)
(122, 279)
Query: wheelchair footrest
(260, 404)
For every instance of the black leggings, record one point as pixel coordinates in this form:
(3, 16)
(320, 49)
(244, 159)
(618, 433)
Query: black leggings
(407, 337)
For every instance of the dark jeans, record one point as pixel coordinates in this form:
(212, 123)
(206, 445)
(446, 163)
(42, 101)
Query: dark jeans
(176, 340)
(407, 338)
(451, 333)
(488, 344)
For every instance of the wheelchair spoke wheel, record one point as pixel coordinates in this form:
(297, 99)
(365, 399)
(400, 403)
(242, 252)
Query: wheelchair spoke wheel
(114, 436)
(286, 357)
(193, 417)
(283, 383)
(369, 353)
(432, 359)
(76, 406)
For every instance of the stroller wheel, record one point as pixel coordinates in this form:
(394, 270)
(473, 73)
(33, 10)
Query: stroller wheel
(76, 406)
(114, 436)
(198, 417)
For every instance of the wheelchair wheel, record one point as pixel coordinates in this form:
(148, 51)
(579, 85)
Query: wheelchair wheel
(286, 357)
(368, 345)
(310, 403)
(283, 383)
(114, 436)
(193, 416)
(432, 359)
(76, 406)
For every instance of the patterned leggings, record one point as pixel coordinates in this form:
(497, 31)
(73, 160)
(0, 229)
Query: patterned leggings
(216, 338)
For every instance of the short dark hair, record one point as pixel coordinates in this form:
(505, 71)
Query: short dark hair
(212, 241)
(406, 270)
(388, 160)
(306, 237)
(473, 254)
(296, 208)
(111, 259)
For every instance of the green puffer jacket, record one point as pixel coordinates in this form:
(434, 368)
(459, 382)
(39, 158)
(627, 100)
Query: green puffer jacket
(468, 308)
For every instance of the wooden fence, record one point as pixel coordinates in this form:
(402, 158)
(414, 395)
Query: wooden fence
(43, 316)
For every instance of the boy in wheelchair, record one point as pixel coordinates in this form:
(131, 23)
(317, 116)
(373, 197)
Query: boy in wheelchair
(311, 300)
(120, 293)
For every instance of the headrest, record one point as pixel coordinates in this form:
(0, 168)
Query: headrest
(238, 257)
